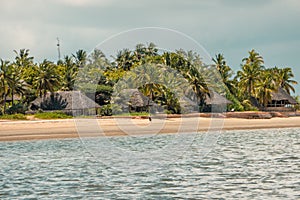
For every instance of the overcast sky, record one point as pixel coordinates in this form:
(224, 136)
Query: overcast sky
(231, 27)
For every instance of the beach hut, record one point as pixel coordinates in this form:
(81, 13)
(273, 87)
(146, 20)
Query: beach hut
(215, 102)
(71, 102)
(281, 102)
(139, 102)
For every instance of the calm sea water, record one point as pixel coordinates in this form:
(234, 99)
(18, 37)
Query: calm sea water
(256, 164)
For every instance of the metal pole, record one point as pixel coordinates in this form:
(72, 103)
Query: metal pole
(58, 48)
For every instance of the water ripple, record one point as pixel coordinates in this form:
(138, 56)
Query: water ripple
(257, 164)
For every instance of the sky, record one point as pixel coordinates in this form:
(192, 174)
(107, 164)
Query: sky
(230, 27)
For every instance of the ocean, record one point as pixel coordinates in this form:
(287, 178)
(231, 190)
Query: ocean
(244, 164)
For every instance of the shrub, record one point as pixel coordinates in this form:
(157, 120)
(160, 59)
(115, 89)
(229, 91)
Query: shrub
(236, 105)
(110, 109)
(14, 117)
(139, 114)
(17, 108)
(52, 115)
(106, 110)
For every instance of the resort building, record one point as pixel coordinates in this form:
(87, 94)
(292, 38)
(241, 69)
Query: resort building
(70, 102)
(281, 102)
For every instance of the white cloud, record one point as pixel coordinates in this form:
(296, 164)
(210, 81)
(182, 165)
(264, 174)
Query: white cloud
(232, 27)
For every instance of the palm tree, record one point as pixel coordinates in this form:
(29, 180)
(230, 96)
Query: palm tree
(80, 58)
(140, 51)
(16, 84)
(25, 65)
(190, 66)
(23, 59)
(254, 59)
(99, 60)
(69, 73)
(224, 70)
(284, 79)
(250, 72)
(4, 81)
(264, 87)
(47, 79)
(124, 59)
(149, 78)
(151, 50)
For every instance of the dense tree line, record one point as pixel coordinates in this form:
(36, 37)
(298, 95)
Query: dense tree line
(25, 78)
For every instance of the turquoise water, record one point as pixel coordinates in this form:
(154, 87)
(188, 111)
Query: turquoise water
(257, 164)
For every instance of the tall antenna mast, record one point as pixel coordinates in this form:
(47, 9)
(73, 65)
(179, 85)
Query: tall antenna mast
(58, 48)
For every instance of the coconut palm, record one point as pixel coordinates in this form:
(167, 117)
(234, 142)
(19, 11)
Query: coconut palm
(23, 59)
(16, 84)
(253, 59)
(250, 72)
(284, 79)
(69, 72)
(151, 50)
(264, 87)
(80, 58)
(5, 81)
(224, 70)
(124, 59)
(191, 68)
(99, 60)
(47, 79)
(140, 51)
(148, 79)
(25, 65)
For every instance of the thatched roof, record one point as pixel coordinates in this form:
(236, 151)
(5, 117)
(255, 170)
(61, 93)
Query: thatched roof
(64, 100)
(137, 99)
(216, 99)
(282, 95)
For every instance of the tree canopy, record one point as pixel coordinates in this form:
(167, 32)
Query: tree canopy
(26, 79)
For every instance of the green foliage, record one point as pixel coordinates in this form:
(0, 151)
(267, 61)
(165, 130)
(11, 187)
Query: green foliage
(297, 106)
(134, 114)
(103, 94)
(52, 115)
(97, 77)
(236, 105)
(13, 117)
(110, 109)
(106, 110)
(55, 102)
(248, 106)
(68, 71)
(47, 78)
(16, 108)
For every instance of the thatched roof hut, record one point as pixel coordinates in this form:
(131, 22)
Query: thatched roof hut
(137, 99)
(281, 102)
(132, 100)
(282, 96)
(216, 99)
(65, 100)
(215, 103)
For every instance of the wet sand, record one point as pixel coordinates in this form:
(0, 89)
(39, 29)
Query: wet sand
(74, 128)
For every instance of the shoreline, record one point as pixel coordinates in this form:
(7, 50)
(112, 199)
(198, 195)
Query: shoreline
(75, 128)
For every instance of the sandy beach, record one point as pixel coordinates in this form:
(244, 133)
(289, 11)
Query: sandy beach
(74, 128)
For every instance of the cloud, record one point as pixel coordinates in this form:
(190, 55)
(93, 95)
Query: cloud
(232, 27)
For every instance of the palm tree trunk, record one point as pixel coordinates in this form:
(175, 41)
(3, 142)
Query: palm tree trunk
(4, 107)
(12, 98)
(250, 89)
